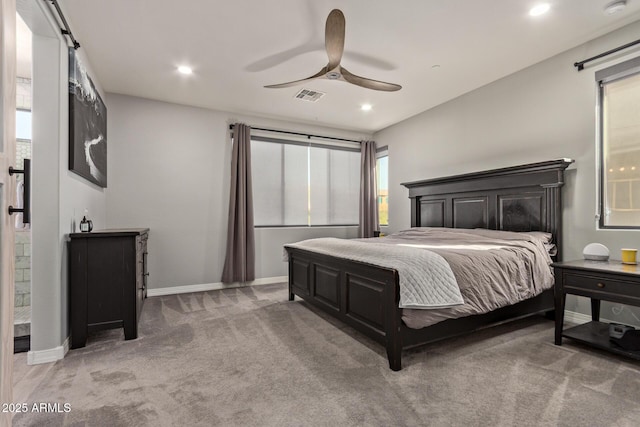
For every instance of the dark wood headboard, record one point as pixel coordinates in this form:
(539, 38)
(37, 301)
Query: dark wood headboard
(518, 198)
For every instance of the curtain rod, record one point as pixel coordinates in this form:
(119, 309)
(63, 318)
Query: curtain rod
(580, 65)
(66, 30)
(302, 134)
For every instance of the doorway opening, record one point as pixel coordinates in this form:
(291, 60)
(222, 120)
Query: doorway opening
(22, 274)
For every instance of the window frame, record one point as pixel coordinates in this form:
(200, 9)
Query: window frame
(309, 144)
(607, 75)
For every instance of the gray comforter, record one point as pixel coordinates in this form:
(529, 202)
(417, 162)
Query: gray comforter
(493, 268)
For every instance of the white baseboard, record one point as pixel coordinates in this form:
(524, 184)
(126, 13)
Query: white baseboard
(47, 356)
(213, 286)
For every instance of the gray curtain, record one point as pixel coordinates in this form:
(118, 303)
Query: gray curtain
(368, 204)
(239, 265)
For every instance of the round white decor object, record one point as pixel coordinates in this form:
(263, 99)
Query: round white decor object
(596, 252)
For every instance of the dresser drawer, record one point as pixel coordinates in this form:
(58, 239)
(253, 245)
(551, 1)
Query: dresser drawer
(600, 287)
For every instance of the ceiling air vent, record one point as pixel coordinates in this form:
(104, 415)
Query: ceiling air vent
(309, 95)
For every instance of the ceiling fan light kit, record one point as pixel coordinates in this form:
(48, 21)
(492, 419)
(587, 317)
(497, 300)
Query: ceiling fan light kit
(334, 45)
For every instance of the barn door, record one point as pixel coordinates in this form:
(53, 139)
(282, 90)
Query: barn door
(7, 198)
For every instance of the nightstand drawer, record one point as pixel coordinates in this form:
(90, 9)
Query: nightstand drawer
(588, 285)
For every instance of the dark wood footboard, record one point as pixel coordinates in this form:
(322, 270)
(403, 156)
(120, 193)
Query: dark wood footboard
(361, 295)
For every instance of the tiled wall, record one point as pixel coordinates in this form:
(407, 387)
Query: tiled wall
(23, 94)
(23, 268)
(23, 151)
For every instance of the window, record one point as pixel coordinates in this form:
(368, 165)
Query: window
(304, 184)
(620, 145)
(382, 178)
(23, 125)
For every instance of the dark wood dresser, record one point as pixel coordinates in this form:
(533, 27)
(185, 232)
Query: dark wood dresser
(108, 281)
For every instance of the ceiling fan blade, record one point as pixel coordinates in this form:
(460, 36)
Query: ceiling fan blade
(368, 83)
(334, 38)
(297, 82)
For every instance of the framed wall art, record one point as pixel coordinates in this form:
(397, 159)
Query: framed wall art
(87, 125)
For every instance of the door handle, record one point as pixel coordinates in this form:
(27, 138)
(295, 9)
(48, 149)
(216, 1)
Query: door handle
(26, 195)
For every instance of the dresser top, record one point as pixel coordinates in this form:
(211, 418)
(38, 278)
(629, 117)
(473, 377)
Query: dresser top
(109, 232)
(611, 266)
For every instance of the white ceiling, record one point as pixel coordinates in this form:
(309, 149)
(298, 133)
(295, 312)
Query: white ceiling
(237, 47)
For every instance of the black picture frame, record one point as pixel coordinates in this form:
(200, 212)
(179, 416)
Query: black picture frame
(87, 125)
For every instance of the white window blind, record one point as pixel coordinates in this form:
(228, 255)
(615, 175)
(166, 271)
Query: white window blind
(297, 184)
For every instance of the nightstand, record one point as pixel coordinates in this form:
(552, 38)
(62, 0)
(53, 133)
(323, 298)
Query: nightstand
(598, 280)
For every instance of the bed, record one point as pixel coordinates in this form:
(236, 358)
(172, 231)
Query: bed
(367, 296)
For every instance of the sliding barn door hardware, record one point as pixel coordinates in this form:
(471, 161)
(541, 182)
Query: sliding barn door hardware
(26, 195)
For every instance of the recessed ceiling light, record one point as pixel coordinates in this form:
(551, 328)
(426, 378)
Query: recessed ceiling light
(540, 9)
(365, 107)
(183, 69)
(614, 7)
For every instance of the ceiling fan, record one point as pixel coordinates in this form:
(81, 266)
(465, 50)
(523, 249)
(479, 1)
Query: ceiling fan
(334, 44)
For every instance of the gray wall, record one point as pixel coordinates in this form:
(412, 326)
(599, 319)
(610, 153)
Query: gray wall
(543, 112)
(169, 169)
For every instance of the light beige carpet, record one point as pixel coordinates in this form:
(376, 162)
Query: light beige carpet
(248, 357)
